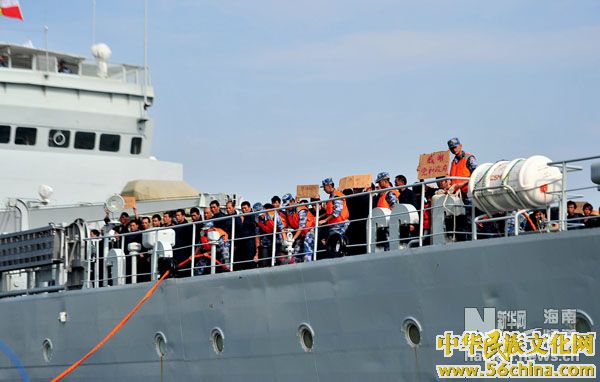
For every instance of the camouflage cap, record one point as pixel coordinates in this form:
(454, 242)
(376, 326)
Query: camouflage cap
(381, 176)
(326, 181)
(453, 142)
(287, 198)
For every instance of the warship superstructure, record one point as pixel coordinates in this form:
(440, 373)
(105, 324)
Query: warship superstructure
(73, 133)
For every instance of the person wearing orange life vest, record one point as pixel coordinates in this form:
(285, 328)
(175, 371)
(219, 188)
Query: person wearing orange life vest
(336, 211)
(386, 199)
(301, 220)
(462, 165)
(267, 222)
(202, 265)
(276, 202)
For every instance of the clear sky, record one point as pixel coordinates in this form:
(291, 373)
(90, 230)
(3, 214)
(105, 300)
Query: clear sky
(255, 97)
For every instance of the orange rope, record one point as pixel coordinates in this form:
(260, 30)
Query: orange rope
(113, 331)
(125, 319)
(530, 222)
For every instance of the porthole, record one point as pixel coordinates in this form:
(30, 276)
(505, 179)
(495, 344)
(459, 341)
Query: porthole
(583, 323)
(47, 350)
(160, 344)
(412, 331)
(306, 336)
(217, 340)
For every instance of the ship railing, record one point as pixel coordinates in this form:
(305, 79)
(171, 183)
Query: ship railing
(566, 167)
(30, 60)
(277, 254)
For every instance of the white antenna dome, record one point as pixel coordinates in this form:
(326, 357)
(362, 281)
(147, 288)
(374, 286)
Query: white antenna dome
(101, 51)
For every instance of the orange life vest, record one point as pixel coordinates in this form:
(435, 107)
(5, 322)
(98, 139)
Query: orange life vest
(204, 240)
(266, 222)
(283, 217)
(460, 169)
(382, 202)
(294, 220)
(343, 216)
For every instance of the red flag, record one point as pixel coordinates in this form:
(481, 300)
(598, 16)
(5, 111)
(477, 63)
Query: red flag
(10, 8)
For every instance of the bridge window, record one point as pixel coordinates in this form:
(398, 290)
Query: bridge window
(136, 145)
(110, 142)
(4, 134)
(59, 138)
(26, 136)
(22, 61)
(85, 141)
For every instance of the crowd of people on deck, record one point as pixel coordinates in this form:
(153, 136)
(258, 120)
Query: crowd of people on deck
(282, 231)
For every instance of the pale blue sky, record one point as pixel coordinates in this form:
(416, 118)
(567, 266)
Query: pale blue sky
(255, 97)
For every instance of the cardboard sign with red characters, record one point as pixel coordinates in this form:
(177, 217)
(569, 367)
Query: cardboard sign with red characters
(433, 165)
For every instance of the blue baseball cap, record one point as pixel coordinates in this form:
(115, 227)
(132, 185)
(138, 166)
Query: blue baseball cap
(257, 207)
(453, 142)
(381, 176)
(208, 225)
(326, 181)
(287, 198)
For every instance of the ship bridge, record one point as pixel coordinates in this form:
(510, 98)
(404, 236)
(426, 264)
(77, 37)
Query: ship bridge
(79, 126)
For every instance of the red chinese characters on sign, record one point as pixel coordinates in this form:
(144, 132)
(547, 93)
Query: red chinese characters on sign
(433, 165)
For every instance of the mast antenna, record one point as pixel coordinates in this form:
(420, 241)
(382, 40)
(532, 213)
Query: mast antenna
(145, 54)
(93, 22)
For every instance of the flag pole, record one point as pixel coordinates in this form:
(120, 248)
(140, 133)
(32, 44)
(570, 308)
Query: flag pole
(145, 54)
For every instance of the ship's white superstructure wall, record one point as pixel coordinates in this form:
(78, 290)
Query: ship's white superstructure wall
(76, 178)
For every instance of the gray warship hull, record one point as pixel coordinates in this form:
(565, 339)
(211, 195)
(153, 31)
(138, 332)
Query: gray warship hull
(355, 305)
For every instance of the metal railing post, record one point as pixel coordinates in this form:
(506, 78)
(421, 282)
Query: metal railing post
(122, 238)
(193, 255)
(134, 268)
(563, 199)
(232, 241)
(213, 258)
(370, 223)
(316, 241)
(473, 216)
(421, 215)
(274, 238)
(104, 264)
(154, 258)
(88, 278)
(97, 265)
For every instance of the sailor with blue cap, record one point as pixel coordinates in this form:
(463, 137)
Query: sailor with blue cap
(267, 223)
(462, 165)
(286, 199)
(387, 199)
(327, 181)
(336, 211)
